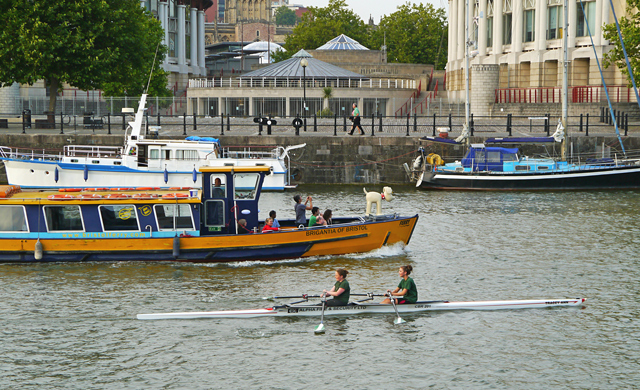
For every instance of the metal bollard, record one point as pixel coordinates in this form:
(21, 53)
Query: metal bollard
(626, 124)
(586, 133)
(415, 122)
(408, 116)
(580, 124)
(380, 122)
(335, 124)
(184, 123)
(109, 123)
(228, 122)
(61, 124)
(373, 124)
(195, 127)
(472, 125)
(315, 123)
(146, 123)
(344, 123)
(434, 124)
(221, 124)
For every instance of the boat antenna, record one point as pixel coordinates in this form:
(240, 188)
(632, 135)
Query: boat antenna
(606, 90)
(152, 66)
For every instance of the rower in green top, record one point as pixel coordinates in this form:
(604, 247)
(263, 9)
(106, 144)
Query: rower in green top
(340, 291)
(406, 288)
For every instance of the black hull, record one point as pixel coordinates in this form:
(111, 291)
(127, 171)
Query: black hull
(590, 179)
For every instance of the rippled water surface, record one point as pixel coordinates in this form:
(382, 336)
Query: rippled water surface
(73, 325)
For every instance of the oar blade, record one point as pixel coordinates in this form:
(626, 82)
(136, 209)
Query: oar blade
(399, 321)
(319, 329)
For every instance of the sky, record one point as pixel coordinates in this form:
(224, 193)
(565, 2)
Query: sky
(375, 8)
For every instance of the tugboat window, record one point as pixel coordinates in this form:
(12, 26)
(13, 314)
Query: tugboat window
(218, 186)
(165, 215)
(119, 218)
(214, 213)
(13, 219)
(63, 218)
(246, 185)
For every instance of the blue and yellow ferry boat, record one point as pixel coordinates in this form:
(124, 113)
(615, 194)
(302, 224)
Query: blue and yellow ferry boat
(174, 224)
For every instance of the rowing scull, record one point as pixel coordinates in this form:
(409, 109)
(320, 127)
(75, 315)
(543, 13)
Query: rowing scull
(306, 310)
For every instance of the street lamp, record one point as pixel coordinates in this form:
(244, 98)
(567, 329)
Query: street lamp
(304, 63)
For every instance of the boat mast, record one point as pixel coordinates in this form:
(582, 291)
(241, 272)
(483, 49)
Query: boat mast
(466, 69)
(565, 83)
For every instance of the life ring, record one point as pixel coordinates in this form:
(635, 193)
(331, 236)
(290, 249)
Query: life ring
(60, 197)
(144, 196)
(435, 159)
(179, 188)
(89, 196)
(174, 196)
(124, 189)
(118, 196)
(70, 190)
(147, 188)
(95, 189)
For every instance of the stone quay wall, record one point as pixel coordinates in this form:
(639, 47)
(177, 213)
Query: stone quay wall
(333, 160)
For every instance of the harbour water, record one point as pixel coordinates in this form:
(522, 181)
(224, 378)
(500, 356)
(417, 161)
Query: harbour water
(73, 326)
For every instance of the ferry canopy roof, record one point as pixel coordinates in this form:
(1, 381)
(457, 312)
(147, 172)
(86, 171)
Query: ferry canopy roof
(342, 42)
(291, 68)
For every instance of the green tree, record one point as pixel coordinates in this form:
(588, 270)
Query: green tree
(415, 33)
(630, 29)
(321, 24)
(88, 44)
(285, 16)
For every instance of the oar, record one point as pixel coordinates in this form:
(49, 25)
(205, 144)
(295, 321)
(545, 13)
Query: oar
(320, 328)
(303, 296)
(397, 320)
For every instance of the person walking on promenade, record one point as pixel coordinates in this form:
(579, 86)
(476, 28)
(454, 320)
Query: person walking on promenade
(356, 120)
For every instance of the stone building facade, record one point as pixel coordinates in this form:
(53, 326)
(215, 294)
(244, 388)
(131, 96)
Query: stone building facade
(519, 46)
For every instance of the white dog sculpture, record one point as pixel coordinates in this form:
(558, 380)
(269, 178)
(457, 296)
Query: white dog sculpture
(374, 197)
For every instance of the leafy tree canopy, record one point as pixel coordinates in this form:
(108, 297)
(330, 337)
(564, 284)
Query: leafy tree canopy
(415, 33)
(630, 29)
(89, 44)
(321, 24)
(285, 16)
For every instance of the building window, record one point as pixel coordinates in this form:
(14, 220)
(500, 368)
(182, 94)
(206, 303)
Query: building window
(554, 20)
(507, 20)
(258, 33)
(529, 20)
(476, 24)
(584, 17)
(490, 23)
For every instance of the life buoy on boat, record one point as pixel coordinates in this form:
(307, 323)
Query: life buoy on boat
(144, 196)
(174, 196)
(179, 188)
(89, 196)
(70, 190)
(118, 196)
(61, 197)
(147, 188)
(435, 159)
(95, 189)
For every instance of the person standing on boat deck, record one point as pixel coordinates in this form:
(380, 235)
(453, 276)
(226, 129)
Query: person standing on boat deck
(301, 217)
(272, 215)
(340, 291)
(406, 288)
(356, 120)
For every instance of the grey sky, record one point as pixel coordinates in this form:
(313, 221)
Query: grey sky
(375, 8)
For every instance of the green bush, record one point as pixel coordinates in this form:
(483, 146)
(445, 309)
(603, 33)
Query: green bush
(325, 112)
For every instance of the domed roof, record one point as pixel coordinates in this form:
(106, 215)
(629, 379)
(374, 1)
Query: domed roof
(291, 68)
(342, 42)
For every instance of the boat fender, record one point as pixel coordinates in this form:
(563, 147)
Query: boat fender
(86, 172)
(56, 175)
(176, 247)
(38, 251)
(417, 163)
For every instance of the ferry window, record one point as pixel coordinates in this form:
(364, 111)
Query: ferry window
(246, 185)
(543, 168)
(187, 155)
(493, 157)
(218, 186)
(214, 213)
(118, 218)
(13, 219)
(167, 213)
(480, 156)
(154, 154)
(63, 218)
(522, 167)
